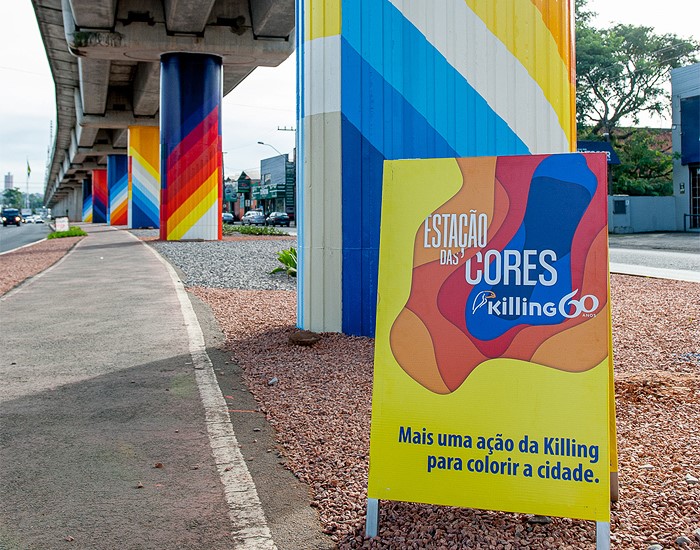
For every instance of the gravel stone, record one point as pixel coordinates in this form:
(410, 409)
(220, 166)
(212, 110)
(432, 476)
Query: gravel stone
(683, 541)
(239, 264)
(655, 547)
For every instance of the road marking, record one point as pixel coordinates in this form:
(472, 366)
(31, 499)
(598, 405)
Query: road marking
(655, 272)
(244, 508)
(23, 246)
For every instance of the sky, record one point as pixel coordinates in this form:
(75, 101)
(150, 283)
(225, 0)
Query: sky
(253, 112)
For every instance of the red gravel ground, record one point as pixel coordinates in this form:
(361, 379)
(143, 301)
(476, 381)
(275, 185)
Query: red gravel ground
(17, 266)
(322, 403)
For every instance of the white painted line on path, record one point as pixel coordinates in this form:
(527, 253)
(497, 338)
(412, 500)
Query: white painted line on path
(245, 511)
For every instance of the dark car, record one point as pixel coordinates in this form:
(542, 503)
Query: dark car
(277, 218)
(11, 216)
(253, 217)
(227, 217)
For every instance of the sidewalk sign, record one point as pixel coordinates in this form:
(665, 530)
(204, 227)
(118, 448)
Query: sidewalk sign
(62, 224)
(493, 355)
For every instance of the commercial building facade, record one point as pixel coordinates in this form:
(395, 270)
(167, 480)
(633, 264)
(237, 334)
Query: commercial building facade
(685, 86)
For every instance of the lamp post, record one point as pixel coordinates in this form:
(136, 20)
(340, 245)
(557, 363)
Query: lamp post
(274, 148)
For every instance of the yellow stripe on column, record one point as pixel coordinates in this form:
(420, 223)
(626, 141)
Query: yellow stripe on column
(191, 210)
(323, 18)
(538, 51)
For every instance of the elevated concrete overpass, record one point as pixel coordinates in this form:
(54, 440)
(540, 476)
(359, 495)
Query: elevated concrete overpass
(105, 59)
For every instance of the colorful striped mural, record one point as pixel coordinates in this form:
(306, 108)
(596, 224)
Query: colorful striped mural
(190, 111)
(87, 201)
(118, 186)
(144, 177)
(99, 196)
(392, 79)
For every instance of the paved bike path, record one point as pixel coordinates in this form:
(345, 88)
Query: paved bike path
(104, 438)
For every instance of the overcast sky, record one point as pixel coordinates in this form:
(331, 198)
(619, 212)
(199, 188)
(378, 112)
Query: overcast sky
(251, 113)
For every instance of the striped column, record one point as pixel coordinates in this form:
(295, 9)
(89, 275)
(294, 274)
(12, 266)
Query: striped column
(87, 201)
(99, 196)
(118, 189)
(144, 177)
(390, 79)
(190, 115)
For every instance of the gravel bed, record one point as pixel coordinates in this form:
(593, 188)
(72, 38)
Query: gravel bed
(236, 263)
(17, 266)
(321, 410)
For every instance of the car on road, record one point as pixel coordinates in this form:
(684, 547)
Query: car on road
(11, 216)
(253, 217)
(277, 218)
(227, 217)
(38, 219)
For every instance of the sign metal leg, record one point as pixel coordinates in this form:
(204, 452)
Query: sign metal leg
(602, 535)
(372, 521)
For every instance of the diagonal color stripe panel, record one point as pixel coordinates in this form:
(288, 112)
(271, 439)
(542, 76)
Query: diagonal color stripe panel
(144, 178)
(87, 201)
(192, 188)
(391, 79)
(118, 185)
(520, 26)
(99, 196)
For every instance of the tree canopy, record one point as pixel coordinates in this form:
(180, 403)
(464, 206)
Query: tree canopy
(12, 198)
(645, 167)
(621, 71)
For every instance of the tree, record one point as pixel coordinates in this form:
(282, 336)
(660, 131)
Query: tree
(36, 200)
(622, 71)
(12, 198)
(645, 169)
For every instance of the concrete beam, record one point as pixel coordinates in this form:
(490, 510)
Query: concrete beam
(94, 83)
(185, 16)
(272, 18)
(89, 14)
(145, 42)
(90, 124)
(120, 138)
(86, 135)
(146, 98)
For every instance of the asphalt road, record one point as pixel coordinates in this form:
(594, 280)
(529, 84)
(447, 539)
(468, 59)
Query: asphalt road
(676, 251)
(12, 237)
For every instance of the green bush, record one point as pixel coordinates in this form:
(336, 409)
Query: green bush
(72, 232)
(288, 259)
(251, 230)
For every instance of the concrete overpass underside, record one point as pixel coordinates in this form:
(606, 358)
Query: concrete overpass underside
(105, 59)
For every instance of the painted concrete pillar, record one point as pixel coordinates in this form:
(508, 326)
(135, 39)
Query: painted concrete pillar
(387, 79)
(118, 186)
(144, 177)
(99, 196)
(190, 121)
(87, 200)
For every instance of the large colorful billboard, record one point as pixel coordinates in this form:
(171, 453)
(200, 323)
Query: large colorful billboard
(492, 361)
